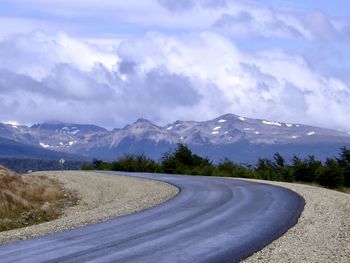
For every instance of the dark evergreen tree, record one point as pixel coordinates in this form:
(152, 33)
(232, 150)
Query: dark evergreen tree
(183, 161)
(305, 170)
(344, 162)
(331, 174)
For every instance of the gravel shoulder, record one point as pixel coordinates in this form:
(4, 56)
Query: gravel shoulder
(322, 233)
(102, 197)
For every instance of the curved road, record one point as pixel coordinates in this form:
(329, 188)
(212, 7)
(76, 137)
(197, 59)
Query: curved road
(210, 220)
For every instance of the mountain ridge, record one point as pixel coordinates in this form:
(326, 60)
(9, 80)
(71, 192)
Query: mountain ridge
(224, 136)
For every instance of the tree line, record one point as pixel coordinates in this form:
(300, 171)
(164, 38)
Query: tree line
(332, 173)
(25, 165)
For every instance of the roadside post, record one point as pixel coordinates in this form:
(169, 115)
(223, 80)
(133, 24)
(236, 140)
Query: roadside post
(62, 161)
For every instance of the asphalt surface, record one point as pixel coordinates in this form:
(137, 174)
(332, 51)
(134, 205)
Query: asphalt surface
(210, 220)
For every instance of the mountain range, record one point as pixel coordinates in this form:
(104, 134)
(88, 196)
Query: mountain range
(238, 138)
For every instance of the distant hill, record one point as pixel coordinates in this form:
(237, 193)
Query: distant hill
(238, 138)
(13, 149)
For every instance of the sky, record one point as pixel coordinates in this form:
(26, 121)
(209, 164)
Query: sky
(110, 62)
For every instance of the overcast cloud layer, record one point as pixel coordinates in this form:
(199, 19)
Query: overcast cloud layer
(110, 63)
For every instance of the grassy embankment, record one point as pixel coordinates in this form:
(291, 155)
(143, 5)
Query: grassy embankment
(26, 199)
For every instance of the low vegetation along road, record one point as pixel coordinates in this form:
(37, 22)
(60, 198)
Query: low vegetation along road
(210, 220)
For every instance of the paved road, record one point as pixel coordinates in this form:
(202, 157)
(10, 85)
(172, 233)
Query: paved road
(210, 220)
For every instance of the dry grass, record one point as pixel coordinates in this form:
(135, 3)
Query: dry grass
(27, 200)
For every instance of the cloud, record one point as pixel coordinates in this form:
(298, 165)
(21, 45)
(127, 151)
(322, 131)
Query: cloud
(187, 5)
(36, 54)
(273, 83)
(179, 5)
(166, 90)
(245, 23)
(96, 93)
(163, 78)
(230, 18)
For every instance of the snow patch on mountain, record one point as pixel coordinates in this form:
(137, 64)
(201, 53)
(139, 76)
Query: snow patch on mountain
(272, 123)
(141, 135)
(44, 145)
(74, 132)
(12, 124)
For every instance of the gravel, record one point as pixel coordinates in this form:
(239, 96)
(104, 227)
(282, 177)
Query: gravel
(102, 197)
(322, 233)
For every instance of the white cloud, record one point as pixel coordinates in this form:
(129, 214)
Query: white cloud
(190, 64)
(36, 54)
(163, 78)
(235, 18)
(260, 23)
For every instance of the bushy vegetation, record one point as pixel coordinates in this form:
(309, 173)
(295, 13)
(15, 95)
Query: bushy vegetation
(333, 173)
(183, 161)
(127, 163)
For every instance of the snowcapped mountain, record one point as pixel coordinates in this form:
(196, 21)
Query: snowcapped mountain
(239, 138)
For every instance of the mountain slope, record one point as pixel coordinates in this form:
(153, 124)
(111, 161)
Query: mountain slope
(13, 149)
(235, 137)
(239, 138)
